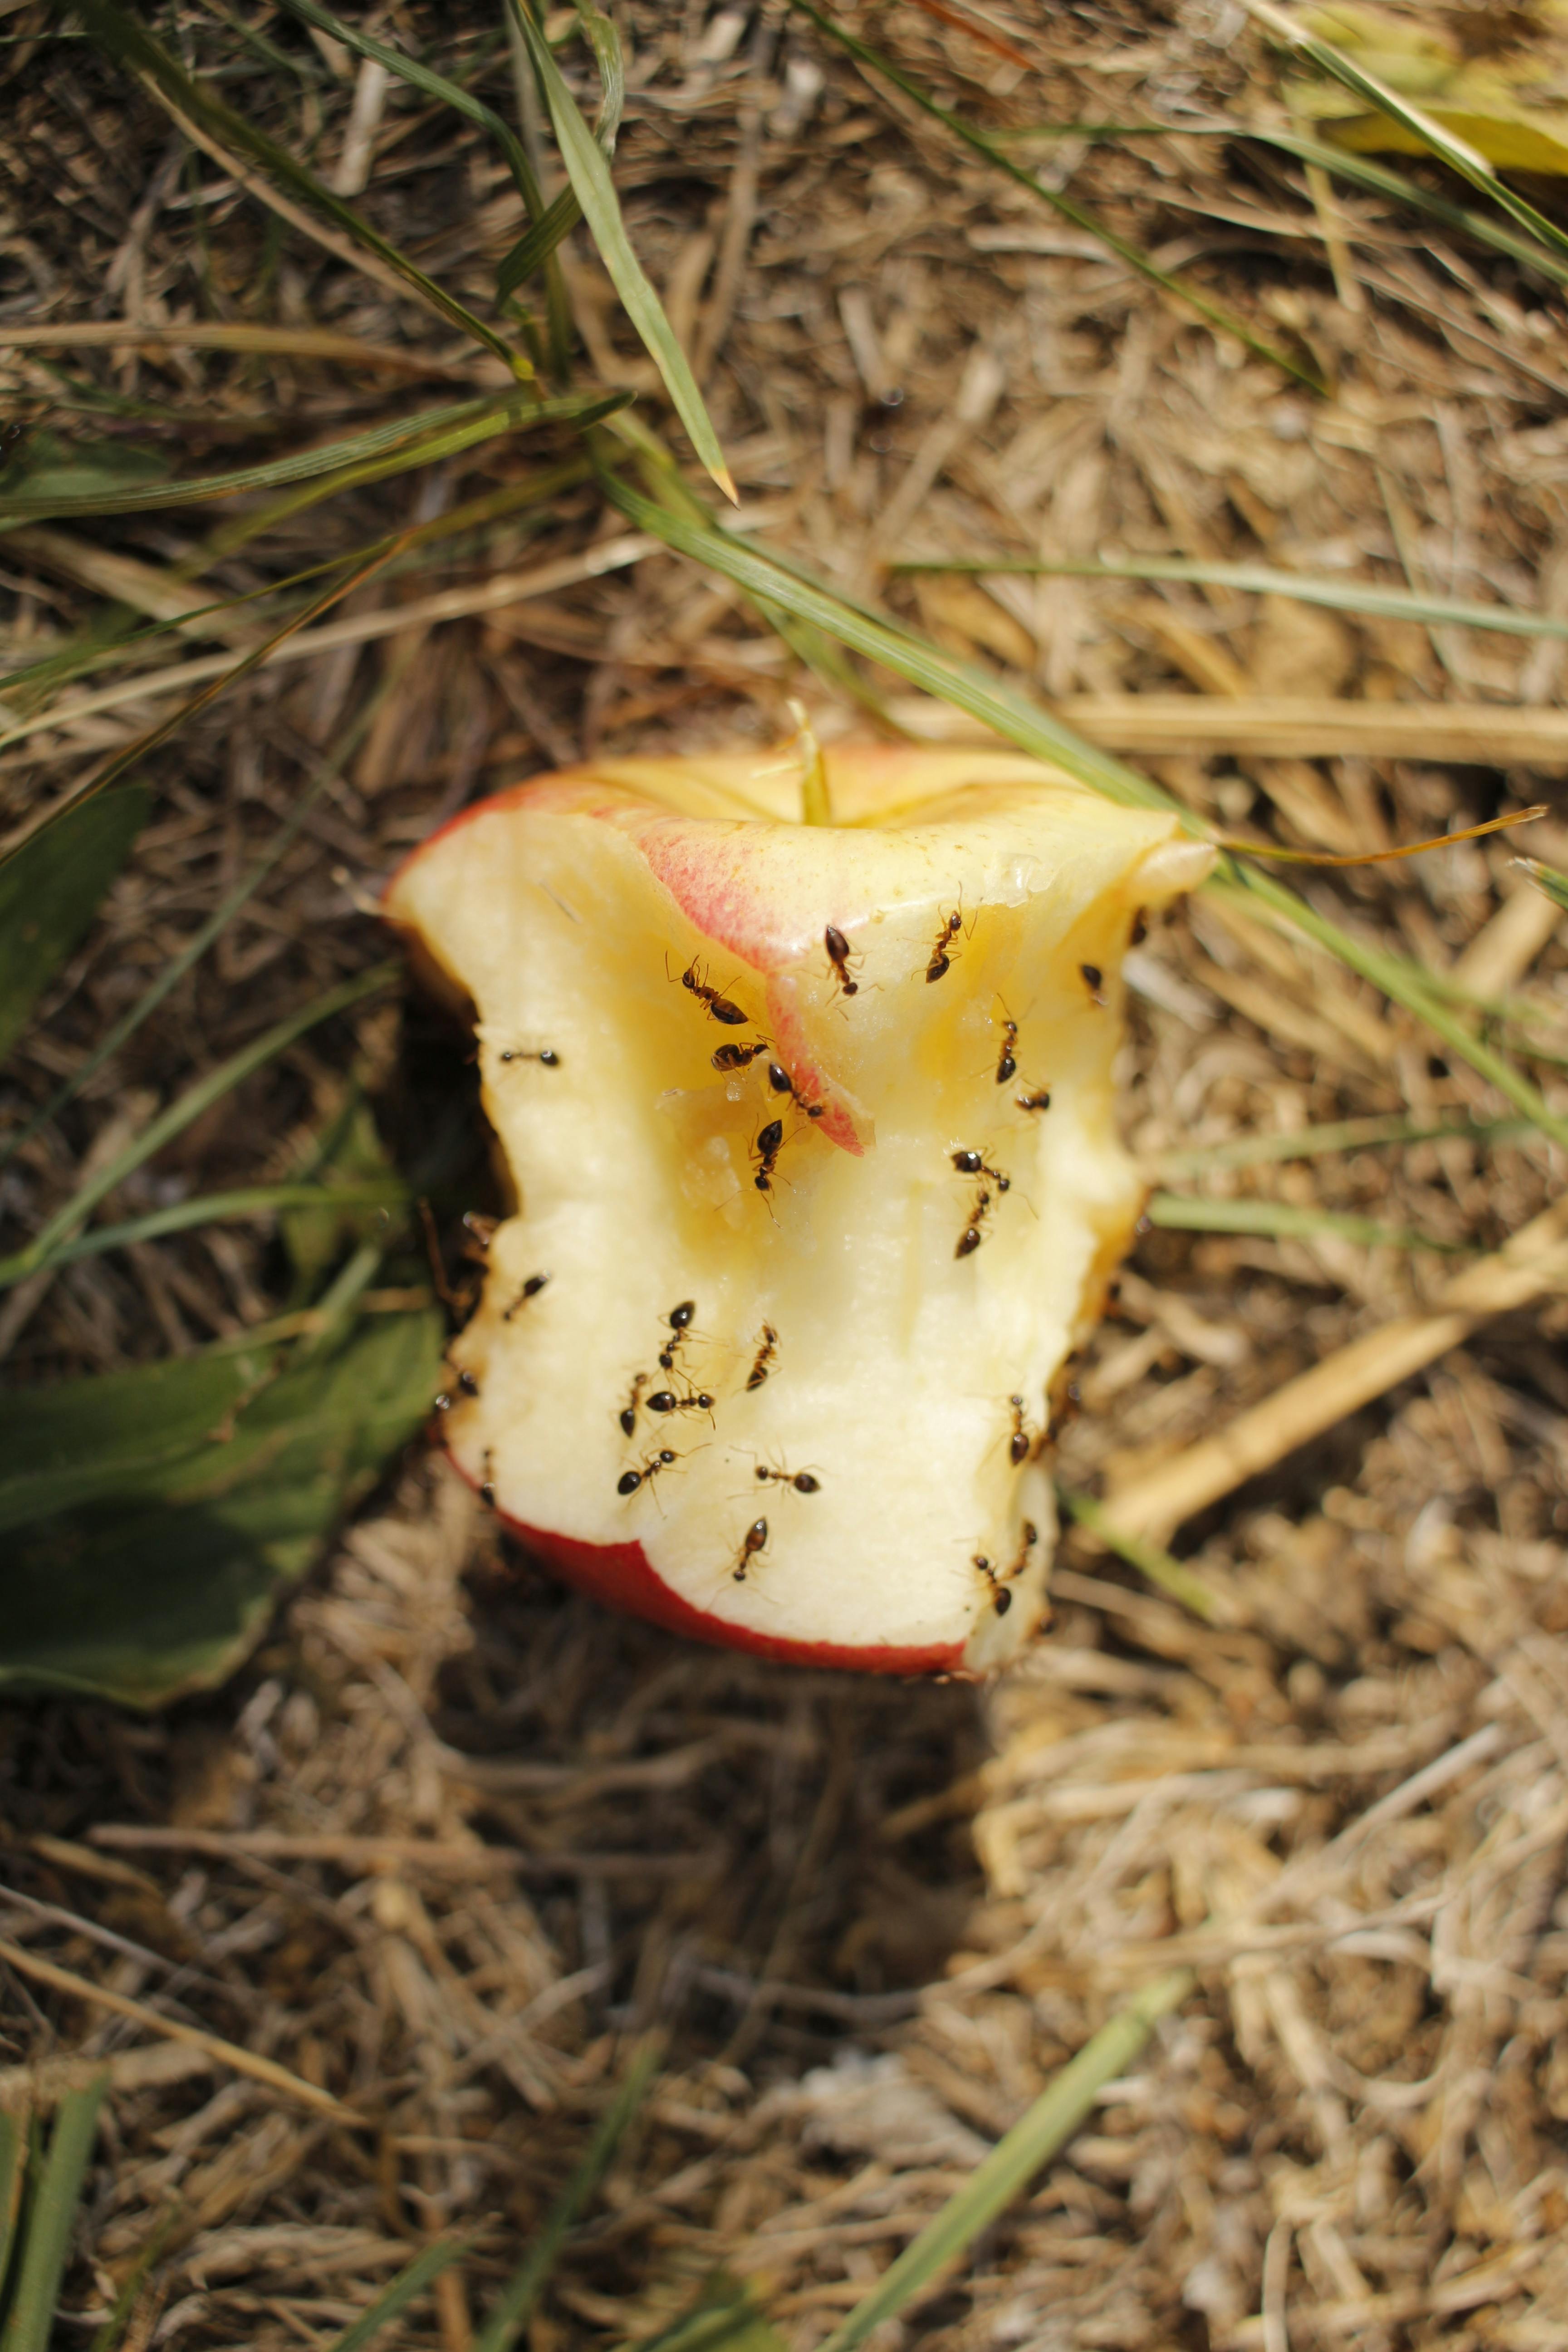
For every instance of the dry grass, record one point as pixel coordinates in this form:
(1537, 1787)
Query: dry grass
(454, 1836)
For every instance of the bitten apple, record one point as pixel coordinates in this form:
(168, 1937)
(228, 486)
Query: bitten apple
(817, 1172)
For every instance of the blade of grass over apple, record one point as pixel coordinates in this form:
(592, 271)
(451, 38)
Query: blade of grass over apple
(1264, 580)
(1158, 1565)
(509, 2312)
(50, 893)
(1045, 2127)
(1022, 723)
(200, 1096)
(1212, 313)
(1456, 153)
(1339, 1135)
(590, 176)
(408, 2285)
(51, 2209)
(208, 1209)
(208, 116)
(1183, 1212)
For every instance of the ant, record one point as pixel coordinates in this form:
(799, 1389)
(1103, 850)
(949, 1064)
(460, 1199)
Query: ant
(838, 956)
(1020, 1445)
(1040, 1100)
(467, 1383)
(1001, 1599)
(1094, 981)
(1006, 1062)
(738, 1057)
(630, 1480)
(970, 1163)
(766, 1150)
(679, 1321)
(719, 1006)
(783, 1084)
(666, 1400)
(801, 1480)
(530, 1289)
(970, 1239)
(943, 954)
(752, 1543)
(548, 1055)
(627, 1415)
(488, 1483)
(766, 1351)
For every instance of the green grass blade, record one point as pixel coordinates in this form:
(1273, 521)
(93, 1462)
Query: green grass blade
(1549, 878)
(125, 2302)
(357, 458)
(1282, 1219)
(134, 47)
(196, 1098)
(1338, 1135)
(410, 2282)
(13, 2170)
(207, 1209)
(725, 2317)
(1149, 1558)
(1263, 579)
(51, 2214)
(1034, 731)
(589, 173)
(1002, 2176)
(509, 2312)
(1132, 254)
(1456, 153)
(535, 247)
(50, 893)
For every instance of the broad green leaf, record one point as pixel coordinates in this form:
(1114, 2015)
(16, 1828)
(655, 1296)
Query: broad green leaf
(982, 144)
(510, 2312)
(132, 46)
(50, 891)
(50, 2215)
(590, 176)
(1043, 2128)
(154, 1515)
(1264, 579)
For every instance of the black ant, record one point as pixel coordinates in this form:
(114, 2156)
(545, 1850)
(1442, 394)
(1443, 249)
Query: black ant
(530, 1289)
(1020, 1445)
(1094, 981)
(970, 1163)
(630, 1480)
(627, 1415)
(1041, 1100)
(783, 1084)
(838, 956)
(679, 1321)
(488, 1483)
(1001, 1599)
(1006, 1062)
(766, 1150)
(467, 1383)
(719, 1006)
(970, 1239)
(766, 1351)
(752, 1543)
(548, 1055)
(737, 1057)
(801, 1480)
(666, 1400)
(944, 955)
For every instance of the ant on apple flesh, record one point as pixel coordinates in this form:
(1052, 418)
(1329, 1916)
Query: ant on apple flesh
(1006, 1062)
(630, 1480)
(801, 1480)
(720, 1007)
(547, 1055)
(1094, 981)
(627, 1415)
(970, 1239)
(738, 1057)
(530, 1289)
(694, 1401)
(839, 954)
(943, 954)
(767, 1348)
(1041, 1100)
(679, 1321)
(783, 1084)
(1020, 1445)
(765, 1151)
(752, 1543)
(971, 1164)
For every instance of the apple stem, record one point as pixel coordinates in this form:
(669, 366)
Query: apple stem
(815, 806)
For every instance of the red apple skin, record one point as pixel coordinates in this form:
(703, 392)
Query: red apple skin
(618, 1577)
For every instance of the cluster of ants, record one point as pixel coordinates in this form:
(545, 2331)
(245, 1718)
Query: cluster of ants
(664, 1401)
